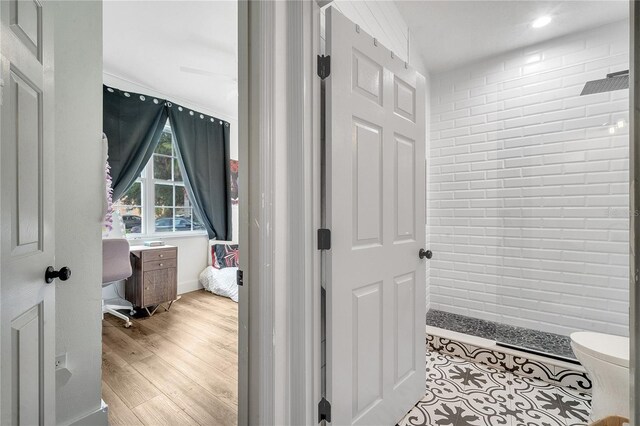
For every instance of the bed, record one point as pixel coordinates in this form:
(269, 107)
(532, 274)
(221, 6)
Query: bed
(220, 277)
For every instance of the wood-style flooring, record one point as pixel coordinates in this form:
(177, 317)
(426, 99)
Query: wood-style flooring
(175, 368)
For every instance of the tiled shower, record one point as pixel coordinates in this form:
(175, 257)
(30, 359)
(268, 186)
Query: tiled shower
(528, 200)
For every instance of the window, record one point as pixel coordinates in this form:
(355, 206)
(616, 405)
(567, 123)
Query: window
(158, 201)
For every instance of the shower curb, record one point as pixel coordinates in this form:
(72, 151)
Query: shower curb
(520, 363)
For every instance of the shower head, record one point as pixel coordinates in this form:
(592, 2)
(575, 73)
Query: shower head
(614, 81)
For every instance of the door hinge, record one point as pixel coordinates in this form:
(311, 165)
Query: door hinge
(324, 66)
(324, 239)
(324, 410)
(240, 277)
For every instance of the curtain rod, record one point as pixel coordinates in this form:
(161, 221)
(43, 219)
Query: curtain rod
(186, 103)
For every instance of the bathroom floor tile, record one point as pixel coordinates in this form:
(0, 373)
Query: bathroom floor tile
(463, 393)
(577, 405)
(532, 403)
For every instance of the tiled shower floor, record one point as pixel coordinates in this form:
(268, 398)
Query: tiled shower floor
(540, 341)
(463, 393)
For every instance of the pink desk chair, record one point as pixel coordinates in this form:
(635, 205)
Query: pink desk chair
(116, 266)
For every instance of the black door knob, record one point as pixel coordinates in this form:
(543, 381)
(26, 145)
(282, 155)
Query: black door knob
(51, 274)
(425, 253)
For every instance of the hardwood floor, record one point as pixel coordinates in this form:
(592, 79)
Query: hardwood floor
(174, 368)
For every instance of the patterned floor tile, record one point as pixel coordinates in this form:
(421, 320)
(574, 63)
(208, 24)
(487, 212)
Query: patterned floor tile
(531, 403)
(463, 393)
(573, 379)
(432, 413)
(578, 405)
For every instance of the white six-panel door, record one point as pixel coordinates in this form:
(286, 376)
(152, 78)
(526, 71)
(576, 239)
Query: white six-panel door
(27, 303)
(375, 206)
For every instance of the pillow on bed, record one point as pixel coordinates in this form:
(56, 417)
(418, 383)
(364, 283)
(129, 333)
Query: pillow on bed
(224, 256)
(222, 282)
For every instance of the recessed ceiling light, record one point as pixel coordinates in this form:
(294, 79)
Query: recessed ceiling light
(541, 21)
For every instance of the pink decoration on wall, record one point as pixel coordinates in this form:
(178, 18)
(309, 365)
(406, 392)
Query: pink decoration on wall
(234, 181)
(108, 217)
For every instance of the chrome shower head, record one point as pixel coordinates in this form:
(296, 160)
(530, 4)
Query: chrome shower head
(614, 81)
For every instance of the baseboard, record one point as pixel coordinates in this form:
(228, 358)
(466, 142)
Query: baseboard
(187, 286)
(100, 417)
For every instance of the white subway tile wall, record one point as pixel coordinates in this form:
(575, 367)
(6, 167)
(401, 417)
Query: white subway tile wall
(528, 187)
(380, 19)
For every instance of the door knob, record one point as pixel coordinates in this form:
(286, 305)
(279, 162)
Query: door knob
(425, 253)
(51, 274)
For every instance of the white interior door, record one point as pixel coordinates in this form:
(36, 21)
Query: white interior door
(27, 303)
(375, 206)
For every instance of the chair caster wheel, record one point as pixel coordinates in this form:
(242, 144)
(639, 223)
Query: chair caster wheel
(127, 324)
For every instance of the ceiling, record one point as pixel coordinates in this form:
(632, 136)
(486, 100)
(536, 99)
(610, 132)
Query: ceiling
(187, 50)
(184, 50)
(452, 33)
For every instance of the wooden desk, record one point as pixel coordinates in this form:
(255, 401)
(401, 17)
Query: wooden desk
(155, 277)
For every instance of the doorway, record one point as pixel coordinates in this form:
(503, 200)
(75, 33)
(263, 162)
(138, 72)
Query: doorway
(178, 361)
(512, 161)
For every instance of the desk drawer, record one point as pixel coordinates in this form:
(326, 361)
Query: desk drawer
(159, 264)
(159, 254)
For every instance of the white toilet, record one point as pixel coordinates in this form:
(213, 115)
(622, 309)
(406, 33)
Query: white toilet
(606, 359)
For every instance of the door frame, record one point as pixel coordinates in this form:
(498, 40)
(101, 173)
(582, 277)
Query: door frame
(266, 132)
(278, 112)
(634, 205)
(243, 314)
(304, 203)
(310, 260)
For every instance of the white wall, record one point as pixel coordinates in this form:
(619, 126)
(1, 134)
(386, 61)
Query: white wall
(428, 240)
(529, 191)
(382, 20)
(79, 186)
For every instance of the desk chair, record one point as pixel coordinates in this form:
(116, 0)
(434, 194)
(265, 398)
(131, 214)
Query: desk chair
(116, 266)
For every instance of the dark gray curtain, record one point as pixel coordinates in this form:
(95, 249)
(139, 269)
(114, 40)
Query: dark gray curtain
(203, 146)
(133, 124)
